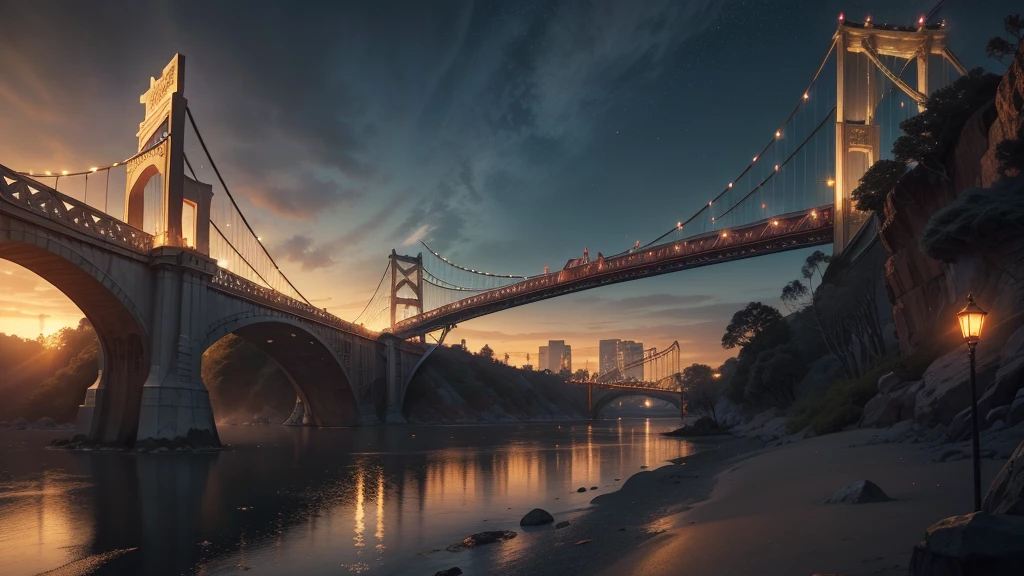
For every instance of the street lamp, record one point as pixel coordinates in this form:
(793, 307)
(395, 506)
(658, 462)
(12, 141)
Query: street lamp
(972, 318)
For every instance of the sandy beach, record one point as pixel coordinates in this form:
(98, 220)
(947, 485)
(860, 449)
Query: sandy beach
(740, 510)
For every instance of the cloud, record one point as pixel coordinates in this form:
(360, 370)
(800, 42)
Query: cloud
(299, 248)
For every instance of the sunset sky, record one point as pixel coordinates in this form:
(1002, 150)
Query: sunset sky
(507, 135)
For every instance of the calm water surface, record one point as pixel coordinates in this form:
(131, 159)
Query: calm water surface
(310, 501)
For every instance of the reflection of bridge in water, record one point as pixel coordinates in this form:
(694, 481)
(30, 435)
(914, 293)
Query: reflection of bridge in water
(661, 381)
(177, 267)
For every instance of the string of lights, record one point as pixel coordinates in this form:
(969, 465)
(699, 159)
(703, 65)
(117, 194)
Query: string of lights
(454, 265)
(783, 163)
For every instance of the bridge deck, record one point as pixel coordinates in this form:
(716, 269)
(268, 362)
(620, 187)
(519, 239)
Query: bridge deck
(811, 227)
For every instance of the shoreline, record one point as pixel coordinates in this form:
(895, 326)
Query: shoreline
(747, 508)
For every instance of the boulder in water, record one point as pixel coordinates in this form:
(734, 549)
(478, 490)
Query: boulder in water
(581, 489)
(19, 424)
(536, 517)
(862, 492)
(562, 524)
(704, 426)
(456, 571)
(481, 538)
(44, 423)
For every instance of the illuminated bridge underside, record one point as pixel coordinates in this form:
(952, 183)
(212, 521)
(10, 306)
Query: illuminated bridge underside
(812, 227)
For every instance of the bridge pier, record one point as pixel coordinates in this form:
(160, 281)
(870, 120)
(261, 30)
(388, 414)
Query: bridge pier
(175, 402)
(590, 402)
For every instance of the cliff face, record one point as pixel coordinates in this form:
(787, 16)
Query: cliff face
(925, 293)
(456, 386)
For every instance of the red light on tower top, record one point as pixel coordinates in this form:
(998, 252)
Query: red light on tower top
(842, 17)
(920, 21)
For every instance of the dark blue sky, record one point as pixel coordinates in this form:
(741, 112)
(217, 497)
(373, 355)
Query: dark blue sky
(508, 135)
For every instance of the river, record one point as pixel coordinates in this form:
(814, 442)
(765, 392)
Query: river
(284, 500)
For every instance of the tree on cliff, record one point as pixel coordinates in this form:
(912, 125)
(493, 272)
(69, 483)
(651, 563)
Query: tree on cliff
(999, 47)
(486, 352)
(928, 135)
(876, 183)
(701, 389)
(748, 323)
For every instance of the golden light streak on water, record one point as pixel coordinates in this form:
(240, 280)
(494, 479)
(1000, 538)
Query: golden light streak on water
(360, 526)
(379, 534)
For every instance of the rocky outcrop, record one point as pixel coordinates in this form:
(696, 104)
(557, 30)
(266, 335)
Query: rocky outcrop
(894, 403)
(926, 287)
(862, 492)
(704, 426)
(1006, 495)
(298, 416)
(536, 517)
(977, 544)
(1008, 101)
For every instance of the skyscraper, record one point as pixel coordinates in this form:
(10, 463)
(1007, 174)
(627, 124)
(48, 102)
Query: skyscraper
(542, 360)
(556, 353)
(608, 355)
(629, 351)
(567, 359)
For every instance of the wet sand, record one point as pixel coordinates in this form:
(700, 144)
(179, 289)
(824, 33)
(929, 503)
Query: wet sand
(745, 510)
(765, 515)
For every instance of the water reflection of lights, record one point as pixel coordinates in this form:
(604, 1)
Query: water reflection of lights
(379, 534)
(359, 525)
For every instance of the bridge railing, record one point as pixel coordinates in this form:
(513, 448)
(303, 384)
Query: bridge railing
(40, 199)
(771, 228)
(237, 286)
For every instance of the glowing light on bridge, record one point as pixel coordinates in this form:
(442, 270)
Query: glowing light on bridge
(64, 172)
(778, 133)
(841, 17)
(93, 169)
(222, 263)
(47, 172)
(830, 182)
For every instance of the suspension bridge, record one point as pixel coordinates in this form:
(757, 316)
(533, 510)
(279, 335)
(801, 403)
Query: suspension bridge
(174, 265)
(661, 380)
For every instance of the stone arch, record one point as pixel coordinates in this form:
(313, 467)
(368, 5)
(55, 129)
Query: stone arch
(307, 360)
(135, 205)
(602, 402)
(119, 324)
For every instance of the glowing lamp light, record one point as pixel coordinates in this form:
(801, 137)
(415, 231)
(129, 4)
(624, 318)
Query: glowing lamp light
(64, 172)
(920, 21)
(867, 21)
(972, 319)
(47, 172)
(842, 17)
(778, 133)
(806, 95)
(115, 163)
(764, 204)
(755, 159)
(776, 167)
(724, 234)
(679, 225)
(222, 263)
(93, 169)
(775, 222)
(730, 184)
(709, 203)
(31, 173)
(830, 182)
(814, 213)
(716, 375)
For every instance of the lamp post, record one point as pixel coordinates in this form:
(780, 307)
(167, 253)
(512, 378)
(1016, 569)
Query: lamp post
(972, 318)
